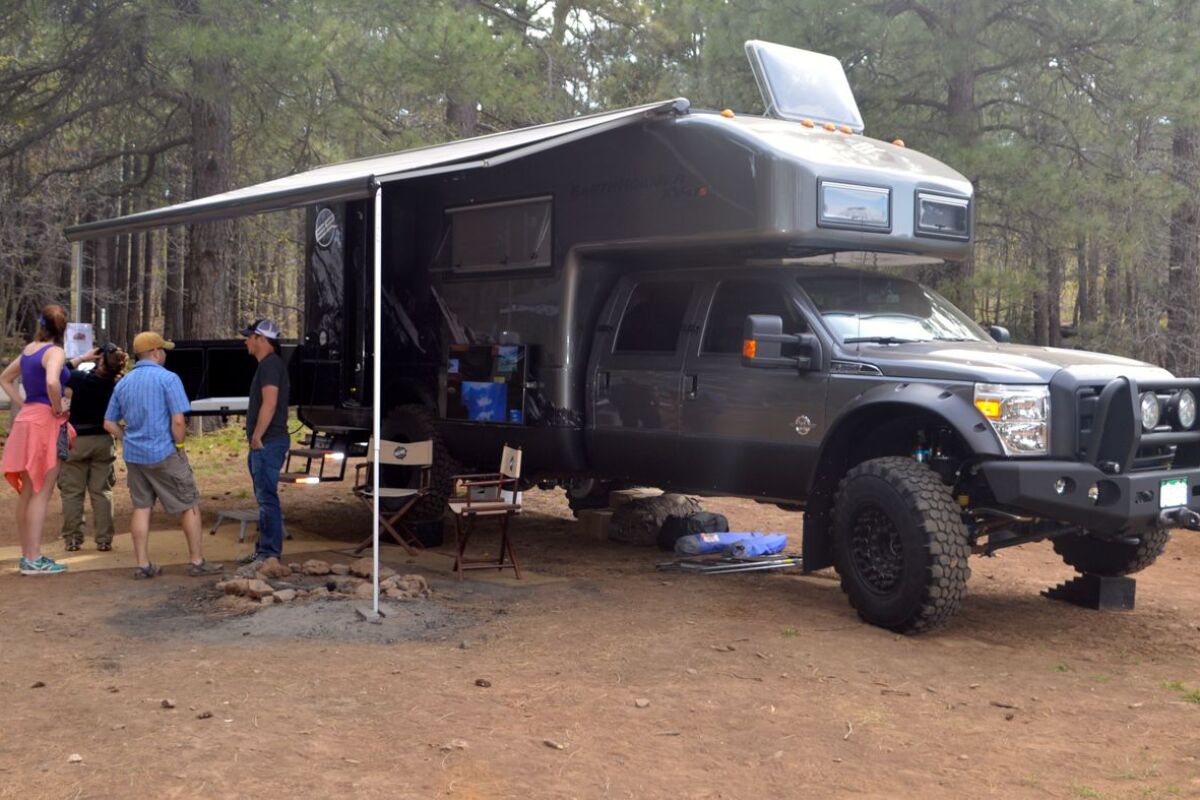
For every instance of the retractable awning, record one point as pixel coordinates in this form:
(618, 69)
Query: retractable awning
(352, 180)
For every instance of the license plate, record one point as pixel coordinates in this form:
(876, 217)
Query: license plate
(1173, 493)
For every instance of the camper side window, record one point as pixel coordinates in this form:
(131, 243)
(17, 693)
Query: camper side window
(492, 237)
(734, 301)
(653, 318)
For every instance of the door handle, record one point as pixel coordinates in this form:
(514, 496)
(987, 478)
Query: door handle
(693, 386)
(602, 379)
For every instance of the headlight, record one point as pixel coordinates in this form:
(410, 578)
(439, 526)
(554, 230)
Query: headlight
(1150, 411)
(845, 205)
(1183, 409)
(1020, 416)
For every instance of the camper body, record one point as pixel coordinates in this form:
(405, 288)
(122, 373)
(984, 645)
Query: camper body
(694, 194)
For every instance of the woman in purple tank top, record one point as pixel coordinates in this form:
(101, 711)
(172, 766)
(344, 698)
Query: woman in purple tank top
(31, 452)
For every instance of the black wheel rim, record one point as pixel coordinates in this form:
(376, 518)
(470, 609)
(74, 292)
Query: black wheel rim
(876, 549)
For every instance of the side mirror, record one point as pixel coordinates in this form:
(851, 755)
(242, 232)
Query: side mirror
(999, 333)
(762, 344)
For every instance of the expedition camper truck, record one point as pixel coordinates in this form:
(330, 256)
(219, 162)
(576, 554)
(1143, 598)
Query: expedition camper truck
(669, 297)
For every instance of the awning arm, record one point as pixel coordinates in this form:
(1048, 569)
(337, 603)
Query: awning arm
(356, 188)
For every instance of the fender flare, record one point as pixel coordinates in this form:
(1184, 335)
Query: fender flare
(943, 402)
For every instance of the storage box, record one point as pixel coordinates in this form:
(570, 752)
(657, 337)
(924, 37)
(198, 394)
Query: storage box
(594, 524)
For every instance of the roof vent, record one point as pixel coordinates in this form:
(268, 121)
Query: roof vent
(800, 84)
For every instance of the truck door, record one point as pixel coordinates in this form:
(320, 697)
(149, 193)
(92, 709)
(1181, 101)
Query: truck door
(635, 383)
(749, 431)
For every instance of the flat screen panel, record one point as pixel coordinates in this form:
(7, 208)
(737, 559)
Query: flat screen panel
(486, 383)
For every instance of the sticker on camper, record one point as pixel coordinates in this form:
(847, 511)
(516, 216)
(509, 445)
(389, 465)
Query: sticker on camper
(325, 228)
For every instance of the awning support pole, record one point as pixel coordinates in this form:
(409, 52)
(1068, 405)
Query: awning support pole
(376, 370)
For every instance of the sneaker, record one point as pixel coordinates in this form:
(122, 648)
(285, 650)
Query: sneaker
(249, 559)
(148, 571)
(204, 568)
(41, 566)
(104, 547)
(73, 546)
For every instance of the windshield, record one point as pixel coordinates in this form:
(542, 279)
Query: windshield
(876, 308)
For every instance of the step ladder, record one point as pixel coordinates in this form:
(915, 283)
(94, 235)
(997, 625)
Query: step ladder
(329, 453)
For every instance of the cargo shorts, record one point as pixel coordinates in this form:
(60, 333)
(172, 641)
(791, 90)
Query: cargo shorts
(170, 481)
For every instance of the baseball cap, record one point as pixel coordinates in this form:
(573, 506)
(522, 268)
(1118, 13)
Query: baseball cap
(146, 341)
(263, 327)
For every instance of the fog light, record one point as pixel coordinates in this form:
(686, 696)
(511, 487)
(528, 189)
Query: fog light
(1183, 409)
(1064, 485)
(1094, 493)
(1150, 410)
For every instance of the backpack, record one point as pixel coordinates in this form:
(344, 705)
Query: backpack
(674, 528)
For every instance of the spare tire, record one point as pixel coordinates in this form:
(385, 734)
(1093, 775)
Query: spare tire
(1088, 554)
(414, 423)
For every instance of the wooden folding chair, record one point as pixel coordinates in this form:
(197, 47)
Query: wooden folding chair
(492, 494)
(399, 454)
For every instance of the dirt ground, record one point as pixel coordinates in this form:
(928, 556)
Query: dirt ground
(615, 681)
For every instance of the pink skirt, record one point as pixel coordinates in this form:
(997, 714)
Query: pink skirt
(32, 445)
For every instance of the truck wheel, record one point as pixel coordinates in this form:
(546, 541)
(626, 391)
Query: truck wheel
(900, 545)
(588, 493)
(1099, 557)
(415, 423)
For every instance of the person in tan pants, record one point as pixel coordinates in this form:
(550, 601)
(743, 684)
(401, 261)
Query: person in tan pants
(90, 468)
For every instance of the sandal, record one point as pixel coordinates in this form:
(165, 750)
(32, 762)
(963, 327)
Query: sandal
(103, 547)
(148, 571)
(204, 568)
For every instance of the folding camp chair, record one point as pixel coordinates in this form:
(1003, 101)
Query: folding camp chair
(399, 454)
(488, 495)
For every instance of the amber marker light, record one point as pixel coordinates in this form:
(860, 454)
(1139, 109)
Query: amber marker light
(749, 348)
(808, 123)
(829, 126)
(989, 408)
(846, 129)
(727, 113)
(898, 142)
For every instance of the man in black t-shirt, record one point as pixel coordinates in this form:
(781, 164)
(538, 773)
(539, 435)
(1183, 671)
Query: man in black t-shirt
(266, 430)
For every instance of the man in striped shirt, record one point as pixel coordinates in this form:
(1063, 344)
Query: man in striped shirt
(151, 402)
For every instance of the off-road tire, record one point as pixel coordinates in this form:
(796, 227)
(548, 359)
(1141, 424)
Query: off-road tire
(1087, 554)
(919, 579)
(414, 423)
(588, 493)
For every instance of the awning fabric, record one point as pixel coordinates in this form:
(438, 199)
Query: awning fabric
(351, 180)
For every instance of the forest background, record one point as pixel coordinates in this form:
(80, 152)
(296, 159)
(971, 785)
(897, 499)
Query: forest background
(1077, 121)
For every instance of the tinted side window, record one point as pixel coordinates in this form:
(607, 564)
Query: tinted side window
(653, 318)
(737, 299)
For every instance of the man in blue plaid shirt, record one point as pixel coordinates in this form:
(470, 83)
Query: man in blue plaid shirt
(151, 402)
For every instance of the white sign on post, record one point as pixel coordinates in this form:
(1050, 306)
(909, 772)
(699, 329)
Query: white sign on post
(79, 339)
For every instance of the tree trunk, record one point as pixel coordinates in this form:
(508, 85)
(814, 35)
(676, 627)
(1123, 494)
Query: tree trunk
(133, 292)
(1082, 281)
(1112, 286)
(206, 274)
(148, 281)
(1183, 261)
(1054, 273)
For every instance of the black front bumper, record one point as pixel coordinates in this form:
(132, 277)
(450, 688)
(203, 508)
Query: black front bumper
(1125, 502)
